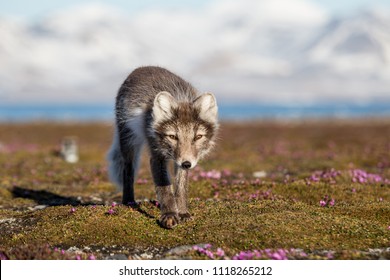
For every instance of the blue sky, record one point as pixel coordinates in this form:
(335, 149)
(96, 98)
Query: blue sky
(37, 8)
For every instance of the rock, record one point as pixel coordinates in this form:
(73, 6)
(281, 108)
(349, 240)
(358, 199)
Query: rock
(70, 149)
(146, 256)
(75, 250)
(117, 257)
(179, 250)
(260, 174)
(7, 220)
(37, 207)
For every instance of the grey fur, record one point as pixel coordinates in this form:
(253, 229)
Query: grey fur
(157, 107)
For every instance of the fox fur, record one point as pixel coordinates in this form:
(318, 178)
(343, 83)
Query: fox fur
(156, 107)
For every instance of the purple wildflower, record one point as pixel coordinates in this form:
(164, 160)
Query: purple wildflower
(92, 257)
(3, 256)
(206, 250)
(276, 256)
(327, 176)
(155, 203)
(329, 255)
(244, 255)
(327, 201)
(209, 254)
(110, 211)
(142, 181)
(213, 174)
(220, 253)
(362, 177)
(72, 210)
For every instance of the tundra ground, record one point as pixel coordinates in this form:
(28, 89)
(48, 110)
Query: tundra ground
(270, 190)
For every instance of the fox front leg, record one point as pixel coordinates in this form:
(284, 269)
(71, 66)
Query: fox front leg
(181, 193)
(169, 212)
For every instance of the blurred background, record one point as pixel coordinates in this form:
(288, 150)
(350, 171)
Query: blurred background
(65, 60)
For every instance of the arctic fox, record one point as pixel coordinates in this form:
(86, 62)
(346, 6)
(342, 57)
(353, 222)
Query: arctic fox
(157, 107)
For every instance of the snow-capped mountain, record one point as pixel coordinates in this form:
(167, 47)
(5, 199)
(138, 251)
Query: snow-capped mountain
(357, 45)
(241, 50)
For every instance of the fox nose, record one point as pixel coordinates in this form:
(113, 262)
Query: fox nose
(186, 165)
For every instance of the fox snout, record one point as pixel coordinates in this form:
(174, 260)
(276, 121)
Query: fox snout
(186, 165)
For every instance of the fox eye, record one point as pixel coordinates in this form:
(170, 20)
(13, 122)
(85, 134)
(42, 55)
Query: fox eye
(173, 137)
(197, 137)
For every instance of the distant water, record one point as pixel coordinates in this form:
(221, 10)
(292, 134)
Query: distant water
(25, 113)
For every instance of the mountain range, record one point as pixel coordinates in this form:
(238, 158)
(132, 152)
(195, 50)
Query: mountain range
(267, 52)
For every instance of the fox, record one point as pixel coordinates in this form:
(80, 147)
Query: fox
(178, 124)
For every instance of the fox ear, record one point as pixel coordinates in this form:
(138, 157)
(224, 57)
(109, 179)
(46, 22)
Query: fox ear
(207, 105)
(163, 105)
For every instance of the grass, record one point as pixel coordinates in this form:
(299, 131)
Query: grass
(326, 194)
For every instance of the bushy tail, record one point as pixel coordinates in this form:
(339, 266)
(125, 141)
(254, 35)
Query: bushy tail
(115, 163)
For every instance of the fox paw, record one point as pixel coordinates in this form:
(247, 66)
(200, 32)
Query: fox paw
(184, 217)
(169, 220)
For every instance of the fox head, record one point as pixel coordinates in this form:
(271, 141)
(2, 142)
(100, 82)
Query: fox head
(185, 131)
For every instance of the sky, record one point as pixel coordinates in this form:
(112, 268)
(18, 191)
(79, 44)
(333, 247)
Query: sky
(37, 8)
(275, 51)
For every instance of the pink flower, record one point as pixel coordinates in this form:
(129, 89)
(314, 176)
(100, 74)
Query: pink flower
(314, 178)
(209, 254)
(72, 210)
(110, 211)
(206, 250)
(220, 252)
(322, 203)
(3, 257)
(92, 257)
(329, 255)
(78, 257)
(361, 176)
(142, 181)
(276, 256)
(113, 204)
(213, 174)
(331, 202)
(244, 255)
